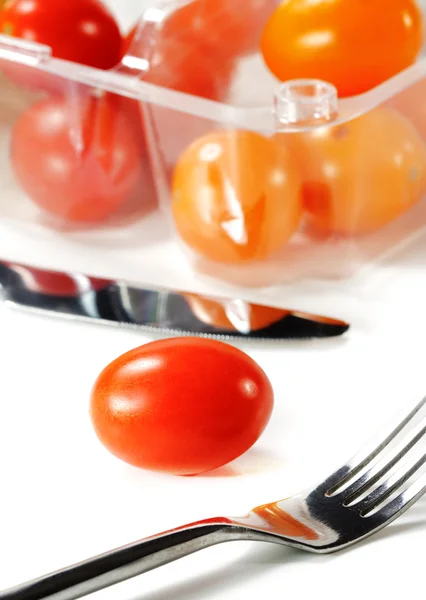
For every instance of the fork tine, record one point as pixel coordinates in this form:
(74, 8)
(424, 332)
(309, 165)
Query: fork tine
(390, 486)
(367, 455)
(379, 470)
(391, 510)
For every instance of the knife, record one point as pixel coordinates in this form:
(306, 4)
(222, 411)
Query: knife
(78, 296)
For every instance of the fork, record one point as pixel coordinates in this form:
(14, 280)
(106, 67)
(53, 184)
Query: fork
(360, 498)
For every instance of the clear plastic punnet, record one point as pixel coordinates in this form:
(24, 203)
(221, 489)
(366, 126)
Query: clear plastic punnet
(190, 165)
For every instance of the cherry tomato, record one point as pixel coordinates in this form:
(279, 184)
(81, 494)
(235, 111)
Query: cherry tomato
(76, 158)
(232, 316)
(352, 44)
(236, 196)
(226, 29)
(182, 405)
(178, 65)
(411, 103)
(360, 176)
(82, 31)
(56, 284)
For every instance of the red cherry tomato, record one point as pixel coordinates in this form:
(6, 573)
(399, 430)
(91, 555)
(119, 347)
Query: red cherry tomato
(226, 29)
(81, 31)
(352, 44)
(77, 159)
(56, 284)
(183, 405)
(181, 66)
(178, 65)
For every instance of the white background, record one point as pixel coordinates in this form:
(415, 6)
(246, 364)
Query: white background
(64, 498)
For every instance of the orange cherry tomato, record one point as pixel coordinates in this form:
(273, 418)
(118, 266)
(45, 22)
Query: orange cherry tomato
(183, 405)
(236, 196)
(225, 29)
(411, 103)
(247, 317)
(352, 44)
(361, 175)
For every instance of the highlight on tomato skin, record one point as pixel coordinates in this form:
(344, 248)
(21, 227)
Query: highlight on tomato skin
(353, 186)
(236, 196)
(353, 45)
(182, 406)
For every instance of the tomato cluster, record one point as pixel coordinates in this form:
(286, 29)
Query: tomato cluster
(80, 154)
(239, 196)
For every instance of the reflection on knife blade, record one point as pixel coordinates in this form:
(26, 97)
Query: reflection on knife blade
(170, 313)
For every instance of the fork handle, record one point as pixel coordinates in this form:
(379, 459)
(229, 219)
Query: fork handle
(123, 563)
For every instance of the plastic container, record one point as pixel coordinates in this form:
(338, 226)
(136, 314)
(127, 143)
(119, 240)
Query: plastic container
(132, 216)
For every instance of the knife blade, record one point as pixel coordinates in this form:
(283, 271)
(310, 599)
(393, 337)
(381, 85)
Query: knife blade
(162, 311)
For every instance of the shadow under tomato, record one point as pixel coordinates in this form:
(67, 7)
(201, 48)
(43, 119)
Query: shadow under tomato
(225, 471)
(252, 462)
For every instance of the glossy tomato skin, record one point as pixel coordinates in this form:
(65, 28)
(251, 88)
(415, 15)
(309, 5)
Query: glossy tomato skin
(81, 31)
(236, 196)
(353, 44)
(182, 405)
(361, 175)
(77, 159)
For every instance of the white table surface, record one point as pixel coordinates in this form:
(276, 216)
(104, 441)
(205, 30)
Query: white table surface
(64, 498)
